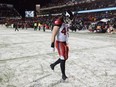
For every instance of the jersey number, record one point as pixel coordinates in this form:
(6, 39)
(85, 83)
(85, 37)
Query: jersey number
(64, 31)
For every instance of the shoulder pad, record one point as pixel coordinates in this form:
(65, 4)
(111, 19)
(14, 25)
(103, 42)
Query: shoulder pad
(58, 22)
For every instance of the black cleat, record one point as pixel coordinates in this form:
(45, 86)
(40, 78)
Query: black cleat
(52, 66)
(64, 77)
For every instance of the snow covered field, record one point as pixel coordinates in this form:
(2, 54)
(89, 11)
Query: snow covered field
(25, 57)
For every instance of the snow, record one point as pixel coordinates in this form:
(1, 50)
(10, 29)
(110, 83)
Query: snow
(25, 57)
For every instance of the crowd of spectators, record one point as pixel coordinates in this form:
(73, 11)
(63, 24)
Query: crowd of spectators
(97, 4)
(80, 22)
(68, 2)
(85, 4)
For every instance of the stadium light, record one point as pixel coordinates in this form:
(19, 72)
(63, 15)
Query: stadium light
(98, 10)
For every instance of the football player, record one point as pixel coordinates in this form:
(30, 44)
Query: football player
(59, 40)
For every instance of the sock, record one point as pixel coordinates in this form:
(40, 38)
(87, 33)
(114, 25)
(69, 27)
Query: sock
(62, 66)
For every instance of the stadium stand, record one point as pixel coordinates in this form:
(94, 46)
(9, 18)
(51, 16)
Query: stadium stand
(50, 11)
(81, 20)
(7, 11)
(81, 5)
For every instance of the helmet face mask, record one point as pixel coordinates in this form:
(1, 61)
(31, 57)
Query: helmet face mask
(67, 19)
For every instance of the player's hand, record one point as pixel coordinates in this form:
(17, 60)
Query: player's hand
(52, 44)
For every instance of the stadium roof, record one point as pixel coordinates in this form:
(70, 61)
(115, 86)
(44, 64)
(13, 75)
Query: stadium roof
(25, 2)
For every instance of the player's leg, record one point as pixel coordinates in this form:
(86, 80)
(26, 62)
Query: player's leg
(64, 57)
(62, 66)
(58, 61)
(55, 63)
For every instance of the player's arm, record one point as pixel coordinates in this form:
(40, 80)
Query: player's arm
(54, 33)
(57, 23)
